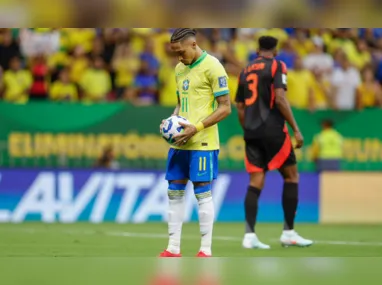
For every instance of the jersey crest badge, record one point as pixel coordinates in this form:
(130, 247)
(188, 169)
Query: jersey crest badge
(222, 82)
(186, 84)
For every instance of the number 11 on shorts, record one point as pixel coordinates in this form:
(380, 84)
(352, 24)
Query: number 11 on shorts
(202, 163)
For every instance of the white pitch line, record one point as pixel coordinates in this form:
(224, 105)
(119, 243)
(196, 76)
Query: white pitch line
(235, 239)
(153, 236)
(356, 243)
(136, 235)
(165, 236)
(341, 242)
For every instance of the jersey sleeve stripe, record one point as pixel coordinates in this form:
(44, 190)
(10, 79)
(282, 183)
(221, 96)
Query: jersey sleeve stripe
(274, 68)
(221, 93)
(284, 68)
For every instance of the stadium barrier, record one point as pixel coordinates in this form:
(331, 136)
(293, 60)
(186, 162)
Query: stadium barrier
(353, 198)
(48, 134)
(70, 196)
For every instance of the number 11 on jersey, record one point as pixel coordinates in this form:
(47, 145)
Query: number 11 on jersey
(184, 104)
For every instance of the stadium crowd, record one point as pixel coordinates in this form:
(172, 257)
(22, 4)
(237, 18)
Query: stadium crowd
(338, 69)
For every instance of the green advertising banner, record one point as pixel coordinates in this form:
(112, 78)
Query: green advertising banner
(73, 135)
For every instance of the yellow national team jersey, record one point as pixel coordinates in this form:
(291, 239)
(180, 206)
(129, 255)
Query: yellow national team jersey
(198, 85)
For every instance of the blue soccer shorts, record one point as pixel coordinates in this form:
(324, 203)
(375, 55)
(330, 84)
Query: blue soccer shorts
(194, 165)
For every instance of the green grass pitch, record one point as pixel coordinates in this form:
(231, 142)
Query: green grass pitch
(82, 253)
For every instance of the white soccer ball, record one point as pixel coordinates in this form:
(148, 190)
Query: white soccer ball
(171, 127)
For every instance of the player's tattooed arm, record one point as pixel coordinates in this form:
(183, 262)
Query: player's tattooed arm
(285, 109)
(241, 112)
(177, 108)
(221, 112)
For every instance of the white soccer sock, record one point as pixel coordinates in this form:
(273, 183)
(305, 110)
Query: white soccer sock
(288, 232)
(249, 235)
(175, 221)
(206, 222)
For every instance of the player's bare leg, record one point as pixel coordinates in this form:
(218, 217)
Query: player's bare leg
(176, 194)
(289, 236)
(206, 216)
(251, 207)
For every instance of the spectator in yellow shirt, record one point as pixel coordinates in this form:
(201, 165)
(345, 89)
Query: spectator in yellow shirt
(325, 34)
(369, 93)
(161, 39)
(78, 64)
(125, 64)
(301, 43)
(242, 46)
(300, 83)
(342, 39)
(233, 73)
(63, 89)
(17, 82)
(96, 82)
(57, 61)
(360, 56)
(80, 36)
(168, 88)
(138, 37)
(321, 90)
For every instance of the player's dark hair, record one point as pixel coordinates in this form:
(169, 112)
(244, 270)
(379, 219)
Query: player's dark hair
(267, 43)
(181, 34)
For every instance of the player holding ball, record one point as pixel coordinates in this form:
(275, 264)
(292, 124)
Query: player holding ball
(203, 99)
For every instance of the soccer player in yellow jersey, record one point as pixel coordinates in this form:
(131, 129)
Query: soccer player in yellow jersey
(203, 98)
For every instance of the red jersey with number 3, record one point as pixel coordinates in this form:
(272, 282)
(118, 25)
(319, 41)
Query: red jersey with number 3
(257, 84)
